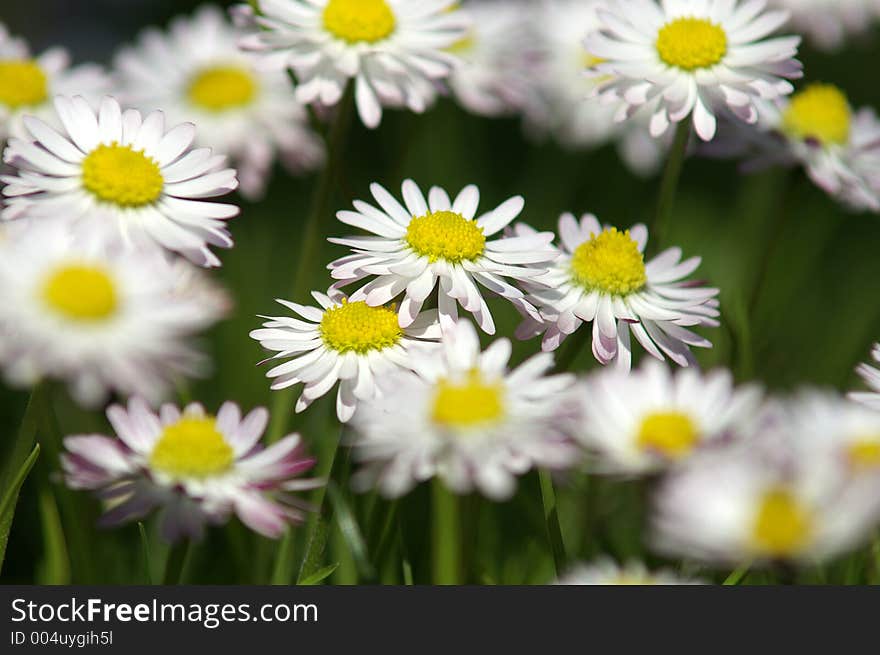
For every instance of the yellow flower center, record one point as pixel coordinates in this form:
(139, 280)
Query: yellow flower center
(22, 84)
(469, 403)
(357, 327)
(820, 112)
(670, 434)
(122, 176)
(626, 580)
(782, 525)
(357, 21)
(446, 235)
(865, 453)
(610, 263)
(691, 43)
(221, 88)
(192, 448)
(81, 293)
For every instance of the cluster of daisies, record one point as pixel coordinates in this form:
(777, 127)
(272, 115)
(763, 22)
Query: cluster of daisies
(112, 210)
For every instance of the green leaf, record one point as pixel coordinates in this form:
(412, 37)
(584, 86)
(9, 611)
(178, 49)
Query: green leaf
(351, 532)
(145, 547)
(56, 563)
(10, 499)
(319, 575)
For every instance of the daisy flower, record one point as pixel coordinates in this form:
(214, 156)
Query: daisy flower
(393, 50)
(838, 146)
(778, 497)
(650, 419)
(28, 83)
(343, 341)
(601, 276)
(463, 417)
(828, 23)
(871, 376)
(847, 430)
(79, 308)
(605, 571)
(148, 183)
(433, 241)
(197, 468)
(561, 105)
(689, 57)
(491, 79)
(196, 72)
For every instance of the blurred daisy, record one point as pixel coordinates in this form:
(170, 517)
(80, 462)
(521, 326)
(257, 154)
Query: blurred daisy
(465, 418)
(601, 276)
(197, 468)
(81, 309)
(838, 146)
(828, 23)
(780, 497)
(848, 431)
(561, 104)
(438, 240)
(394, 50)
(343, 341)
(196, 72)
(651, 418)
(605, 571)
(28, 83)
(492, 78)
(871, 376)
(148, 183)
(689, 57)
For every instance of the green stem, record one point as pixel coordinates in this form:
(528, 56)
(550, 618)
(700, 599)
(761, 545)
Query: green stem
(145, 548)
(669, 183)
(551, 520)
(311, 239)
(317, 526)
(446, 524)
(175, 563)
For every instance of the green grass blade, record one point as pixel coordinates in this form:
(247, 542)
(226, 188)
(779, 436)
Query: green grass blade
(56, 562)
(10, 499)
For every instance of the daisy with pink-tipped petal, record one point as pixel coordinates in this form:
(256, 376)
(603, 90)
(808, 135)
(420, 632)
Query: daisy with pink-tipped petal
(600, 276)
(688, 58)
(196, 468)
(342, 340)
(871, 376)
(439, 243)
(146, 181)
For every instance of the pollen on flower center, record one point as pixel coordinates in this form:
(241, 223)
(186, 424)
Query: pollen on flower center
(22, 84)
(610, 263)
(357, 327)
(865, 453)
(192, 448)
(358, 21)
(446, 235)
(469, 403)
(820, 112)
(782, 525)
(122, 176)
(691, 43)
(221, 88)
(81, 293)
(670, 434)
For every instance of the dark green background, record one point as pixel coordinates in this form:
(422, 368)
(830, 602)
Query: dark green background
(812, 320)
